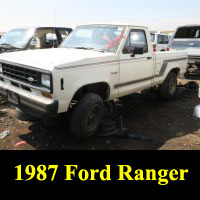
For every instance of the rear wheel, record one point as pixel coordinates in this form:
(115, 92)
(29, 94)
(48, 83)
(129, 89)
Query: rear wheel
(168, 89)
(87, 116)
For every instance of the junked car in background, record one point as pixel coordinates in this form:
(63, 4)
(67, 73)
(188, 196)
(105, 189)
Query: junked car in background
(33, 38)
(160, 41)
(187, 38)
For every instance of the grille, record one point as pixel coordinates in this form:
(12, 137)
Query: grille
(21, 74)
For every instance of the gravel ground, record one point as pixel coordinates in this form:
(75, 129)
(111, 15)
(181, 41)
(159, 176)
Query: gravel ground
(152, 124)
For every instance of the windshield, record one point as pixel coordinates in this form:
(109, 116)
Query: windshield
(188, 33)
(100, 38)
(17, 38)
(153, 36)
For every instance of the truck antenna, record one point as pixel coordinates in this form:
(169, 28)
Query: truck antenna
(55, 22)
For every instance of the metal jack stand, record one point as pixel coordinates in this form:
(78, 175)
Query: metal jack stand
(115, 125)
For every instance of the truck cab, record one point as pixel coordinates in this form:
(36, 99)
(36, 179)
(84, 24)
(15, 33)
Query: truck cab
(33, 38)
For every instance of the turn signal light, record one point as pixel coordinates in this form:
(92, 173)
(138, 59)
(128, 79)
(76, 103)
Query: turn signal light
(46, 94)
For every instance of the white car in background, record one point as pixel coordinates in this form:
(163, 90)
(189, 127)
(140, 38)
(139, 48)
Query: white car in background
(187, 38)
(160, 42)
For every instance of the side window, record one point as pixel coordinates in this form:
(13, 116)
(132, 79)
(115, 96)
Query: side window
(62, 34)
(166, 39)
(51, 40)
(137, 38)
(46, 38)
(160, 39)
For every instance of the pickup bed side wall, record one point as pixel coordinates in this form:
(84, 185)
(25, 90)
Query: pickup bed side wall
(165, 66)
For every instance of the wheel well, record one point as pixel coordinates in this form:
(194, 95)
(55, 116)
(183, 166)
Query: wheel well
(176, 71)
(102, 89)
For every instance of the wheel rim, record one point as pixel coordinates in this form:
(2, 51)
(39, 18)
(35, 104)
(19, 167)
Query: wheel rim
(93, 118)
(172, 86)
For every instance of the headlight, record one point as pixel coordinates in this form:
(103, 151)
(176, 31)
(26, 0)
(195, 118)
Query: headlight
(1, 69)
(46, 80)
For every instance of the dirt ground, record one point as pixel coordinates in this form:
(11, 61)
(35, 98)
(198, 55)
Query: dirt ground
(152, 124)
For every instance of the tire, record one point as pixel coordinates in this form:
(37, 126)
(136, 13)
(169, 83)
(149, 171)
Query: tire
(86, 116)
(20, 115)
(168, 89)
(198, 65)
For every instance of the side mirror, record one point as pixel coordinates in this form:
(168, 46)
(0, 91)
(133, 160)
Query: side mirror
(134, 51)
(139, 50)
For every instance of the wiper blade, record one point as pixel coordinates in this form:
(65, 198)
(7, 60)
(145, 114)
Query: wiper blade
(5, 44)
(90, 48)
(9, 46)
(84, 48)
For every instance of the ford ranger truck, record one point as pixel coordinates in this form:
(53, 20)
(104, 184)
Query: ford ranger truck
(95, 64)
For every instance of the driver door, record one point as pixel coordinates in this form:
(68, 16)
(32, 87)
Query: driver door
(136, 71)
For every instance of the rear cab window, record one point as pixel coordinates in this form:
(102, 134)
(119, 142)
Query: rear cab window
(188, 33)
(160, 39)
(163, 39)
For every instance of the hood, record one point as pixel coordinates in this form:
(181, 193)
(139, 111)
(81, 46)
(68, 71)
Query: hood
(48, 59)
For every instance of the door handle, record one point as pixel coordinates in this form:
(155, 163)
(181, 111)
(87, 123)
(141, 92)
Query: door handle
(149, 58)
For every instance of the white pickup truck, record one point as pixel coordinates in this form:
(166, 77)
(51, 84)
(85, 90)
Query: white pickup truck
(95, 64)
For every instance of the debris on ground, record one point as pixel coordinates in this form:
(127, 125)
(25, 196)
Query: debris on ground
(4, 134)
(21, 143)
(192, 86)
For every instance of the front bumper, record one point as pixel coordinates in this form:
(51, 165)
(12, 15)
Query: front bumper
(32, 104)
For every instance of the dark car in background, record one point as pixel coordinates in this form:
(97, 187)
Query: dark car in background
(33, 38)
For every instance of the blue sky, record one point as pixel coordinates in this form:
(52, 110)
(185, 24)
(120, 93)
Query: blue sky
(157, 14)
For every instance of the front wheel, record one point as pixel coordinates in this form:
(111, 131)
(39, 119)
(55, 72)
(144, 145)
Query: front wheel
(87, 116)
(168, 89)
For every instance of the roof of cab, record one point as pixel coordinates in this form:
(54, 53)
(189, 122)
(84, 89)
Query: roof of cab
(41, 27)
(113, 24)
(189, 25)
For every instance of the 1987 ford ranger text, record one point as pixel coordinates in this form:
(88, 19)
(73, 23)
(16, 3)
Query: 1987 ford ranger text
(96, 63)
